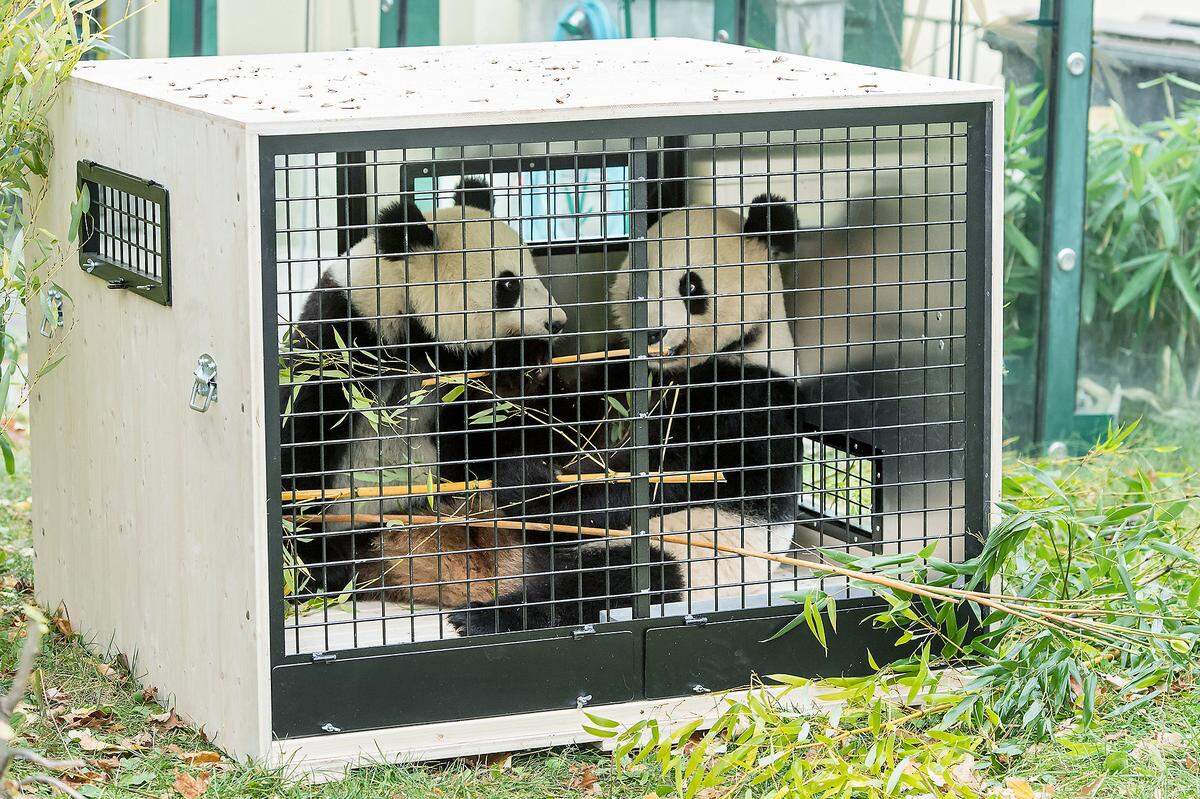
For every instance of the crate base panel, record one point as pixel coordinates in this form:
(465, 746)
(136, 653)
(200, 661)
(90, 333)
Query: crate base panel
(500, 675)
(328, 758)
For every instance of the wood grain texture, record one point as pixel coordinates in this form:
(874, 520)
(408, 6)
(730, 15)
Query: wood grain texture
(149, 524)
(422, 87)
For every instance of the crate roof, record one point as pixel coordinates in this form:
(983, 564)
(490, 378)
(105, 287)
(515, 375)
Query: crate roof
(421, 87)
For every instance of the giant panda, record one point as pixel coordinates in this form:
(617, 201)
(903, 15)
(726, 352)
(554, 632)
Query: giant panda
(420, 295)
(725, 398)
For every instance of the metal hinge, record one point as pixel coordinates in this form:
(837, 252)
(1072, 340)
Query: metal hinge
(323, 657)
(583, 631)
(52, 312)
(204, 389)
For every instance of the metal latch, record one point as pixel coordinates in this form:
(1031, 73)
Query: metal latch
(583, 631)
(695, 621)
(204, 389)
(52, 312)
(323, 657)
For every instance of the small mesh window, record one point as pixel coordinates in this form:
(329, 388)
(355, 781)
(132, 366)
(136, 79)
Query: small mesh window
(125, 232)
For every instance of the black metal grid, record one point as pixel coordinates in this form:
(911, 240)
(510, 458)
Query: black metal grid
(125, 232)
(885, 392)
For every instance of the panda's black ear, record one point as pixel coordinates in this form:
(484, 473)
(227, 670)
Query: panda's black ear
(401, 228)
(773, 219)
(476, 193)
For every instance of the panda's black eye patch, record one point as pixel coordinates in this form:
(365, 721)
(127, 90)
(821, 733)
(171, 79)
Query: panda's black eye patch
(508, 290)
(691, 288)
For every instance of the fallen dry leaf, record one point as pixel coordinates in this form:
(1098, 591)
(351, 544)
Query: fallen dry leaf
(965, 775)
(584, 779)
(1021, 788)
(1115, 736)
(1191, 764)
(190, 787)
(88, 742)
(83, 777)
(200, 758)
(109, 673)
(56, 695)
(63, 625)
(500, 760)
(168, 721)
(1093, 786)
(1169, 740)
(149, 694)
(86, 717)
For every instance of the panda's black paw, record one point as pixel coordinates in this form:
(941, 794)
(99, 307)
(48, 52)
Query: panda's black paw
(522, 487)
(484, 618)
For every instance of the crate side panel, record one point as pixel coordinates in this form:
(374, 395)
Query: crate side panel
(148, 523)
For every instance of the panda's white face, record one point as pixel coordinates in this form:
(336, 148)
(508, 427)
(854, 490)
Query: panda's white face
(474, 282)
(709, 290)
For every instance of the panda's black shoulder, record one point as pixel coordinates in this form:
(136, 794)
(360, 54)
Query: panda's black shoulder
(746, 385)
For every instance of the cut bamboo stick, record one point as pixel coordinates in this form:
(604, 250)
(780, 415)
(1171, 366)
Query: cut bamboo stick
(454, 377)
(330, 495)
(625, 477)
(943, 594)
(583, 357)
(559, 360)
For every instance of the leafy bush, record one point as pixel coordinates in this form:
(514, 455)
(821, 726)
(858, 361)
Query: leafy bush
(41, 40)
(1094, 567)
(1140, 298)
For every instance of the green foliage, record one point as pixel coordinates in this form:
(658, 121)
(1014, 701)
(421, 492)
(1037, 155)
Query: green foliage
(1095, 614)
(1142, 270)
(41, 41)
(1140, 296)
(1023, 168)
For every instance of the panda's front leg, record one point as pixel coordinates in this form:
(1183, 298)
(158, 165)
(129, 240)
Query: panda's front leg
(530, 489)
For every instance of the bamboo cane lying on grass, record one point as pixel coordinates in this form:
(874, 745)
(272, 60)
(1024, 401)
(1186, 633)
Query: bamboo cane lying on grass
(560, 360)
(1051, 617)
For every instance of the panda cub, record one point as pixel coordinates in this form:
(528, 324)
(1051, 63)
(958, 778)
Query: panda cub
(724, 398)
(453, 292)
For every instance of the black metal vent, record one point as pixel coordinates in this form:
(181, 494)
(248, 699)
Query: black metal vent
(125, 232)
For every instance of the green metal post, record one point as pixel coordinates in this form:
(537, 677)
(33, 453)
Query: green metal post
(872, 32)
(410, 23)
(192, 27)
(748, 22)
(1068, 82)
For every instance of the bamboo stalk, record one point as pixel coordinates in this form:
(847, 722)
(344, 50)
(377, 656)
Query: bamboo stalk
(456, 377)
(559, 360)
(319, 494)
(1053, 618)
(625, 477)
(600, 532)
(584, 357)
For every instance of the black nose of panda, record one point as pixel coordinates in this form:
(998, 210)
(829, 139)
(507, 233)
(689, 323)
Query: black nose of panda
(555, 327)
(655, 336)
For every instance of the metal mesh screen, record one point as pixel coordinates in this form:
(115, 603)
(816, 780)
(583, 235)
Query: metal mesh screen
(125, 231)
(572, 381)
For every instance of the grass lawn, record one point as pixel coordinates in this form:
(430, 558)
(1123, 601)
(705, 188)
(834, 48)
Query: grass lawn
(81, 705)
